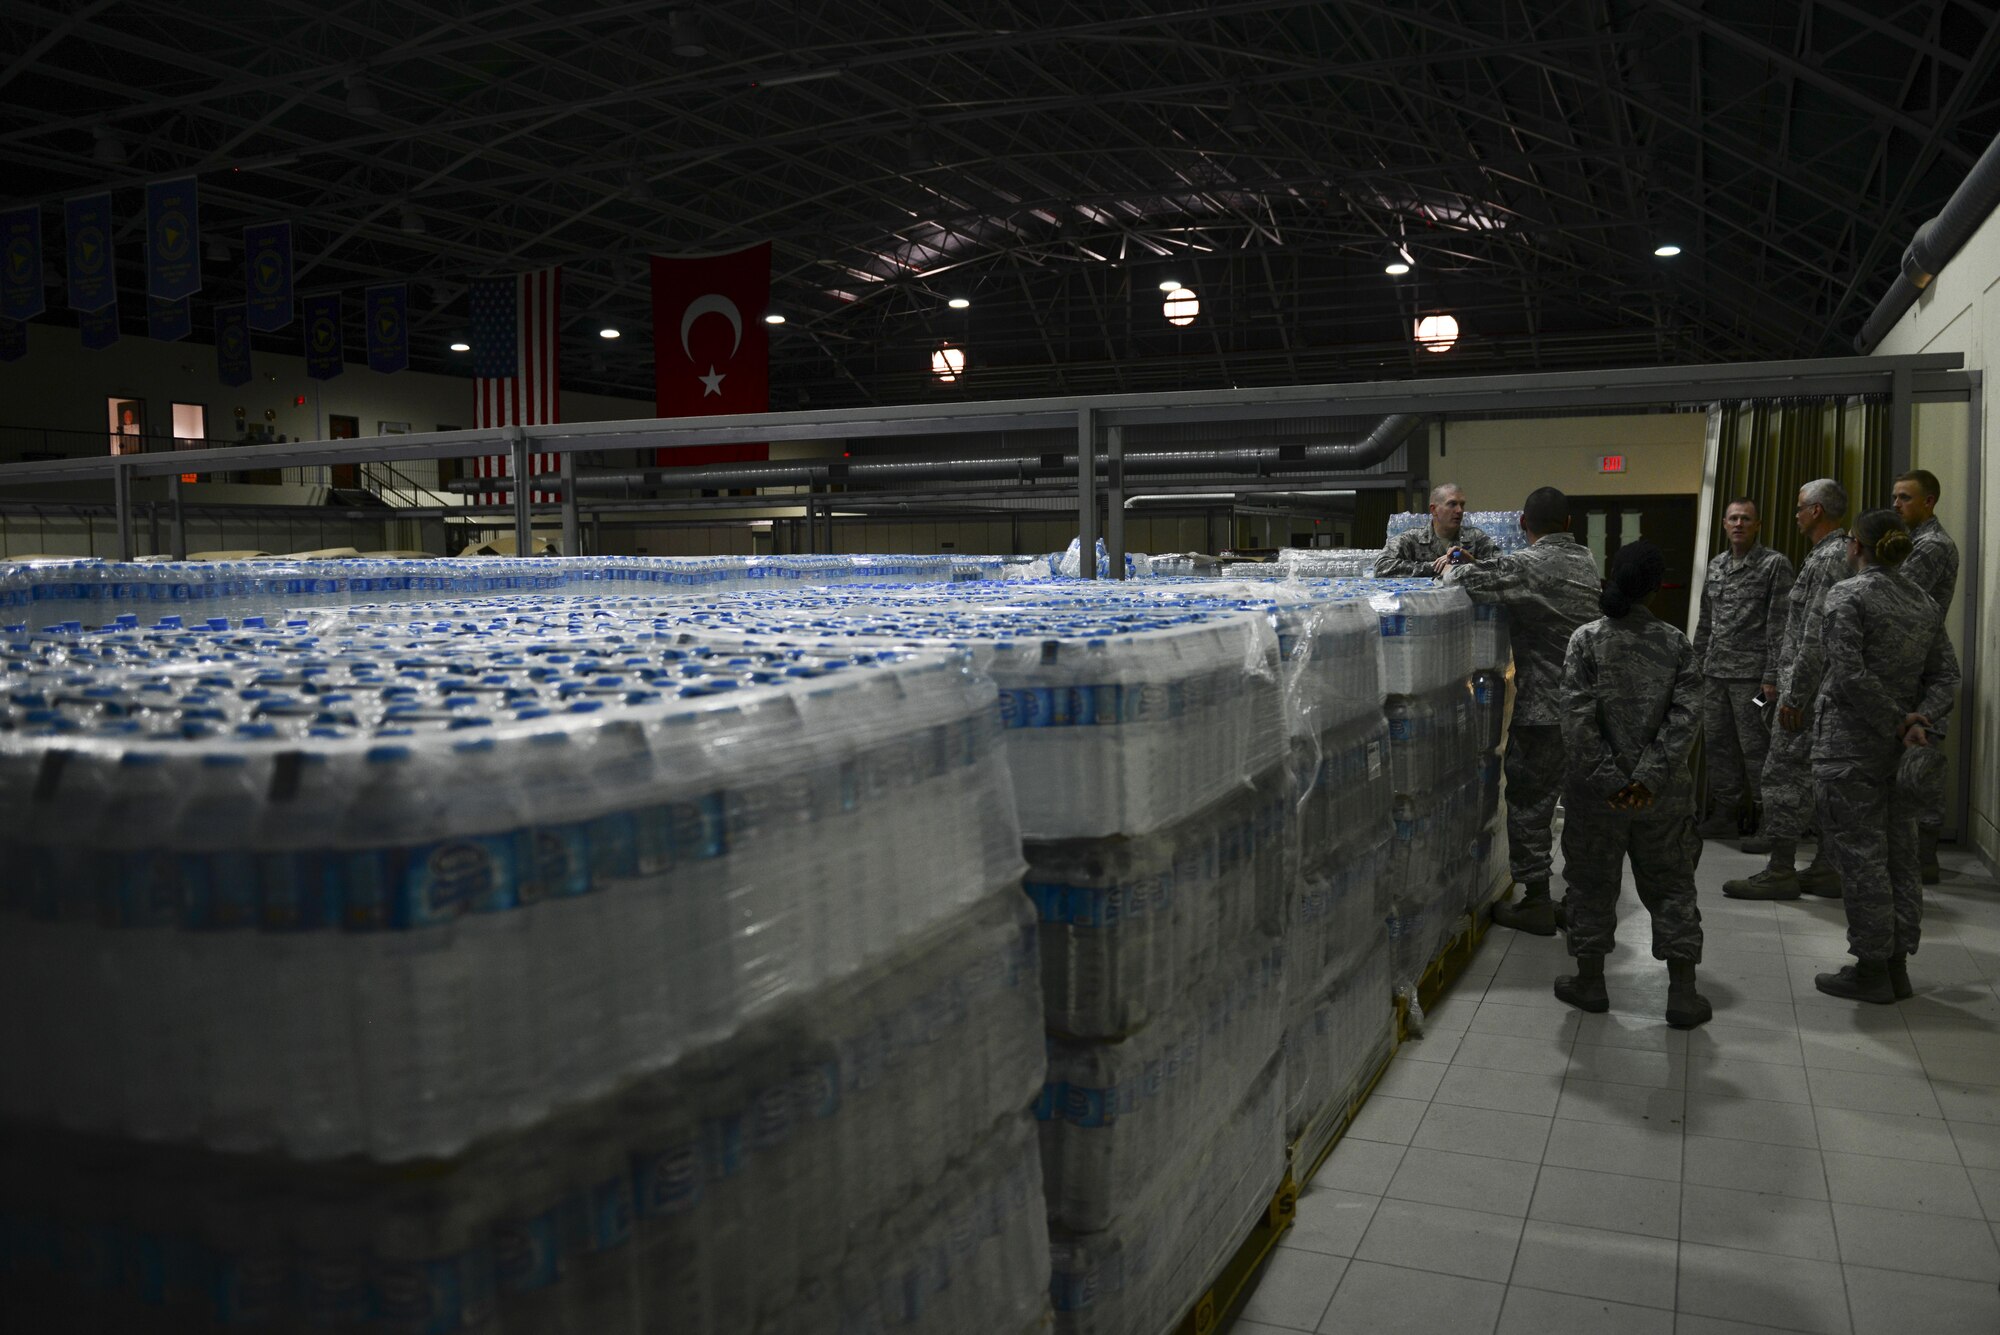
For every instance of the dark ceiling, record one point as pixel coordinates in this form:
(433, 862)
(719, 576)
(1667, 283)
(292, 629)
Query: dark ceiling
(1051, 162)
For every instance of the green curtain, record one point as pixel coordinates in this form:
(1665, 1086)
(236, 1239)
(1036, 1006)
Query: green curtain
(1769, 448)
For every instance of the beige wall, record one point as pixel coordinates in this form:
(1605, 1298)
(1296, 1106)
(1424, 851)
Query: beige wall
(1960, 312)
(1499, 462)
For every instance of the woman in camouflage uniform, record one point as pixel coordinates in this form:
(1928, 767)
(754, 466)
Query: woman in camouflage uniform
(1631, 700)
(1888, 685)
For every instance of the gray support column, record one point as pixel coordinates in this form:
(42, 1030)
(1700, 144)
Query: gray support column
(1086, 492)
(177, 543)
(1972, 544)
(121, 491)
(1901, 410)
(571, 531)
(524, 523)
(1114, 499)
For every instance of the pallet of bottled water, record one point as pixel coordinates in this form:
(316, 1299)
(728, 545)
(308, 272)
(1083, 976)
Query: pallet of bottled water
(1326, 563)
(93, 592)
(1336, 1035)
(1116, 1116)
(1146, 1272)
(385, 895)
(1426, 634)
(863, 1162)
(1130, 925)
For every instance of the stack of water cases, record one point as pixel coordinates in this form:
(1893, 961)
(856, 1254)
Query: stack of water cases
(1152, 764)
(476, 972)
(1436, 765)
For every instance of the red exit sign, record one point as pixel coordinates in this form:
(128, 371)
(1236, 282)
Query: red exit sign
(1610, 463)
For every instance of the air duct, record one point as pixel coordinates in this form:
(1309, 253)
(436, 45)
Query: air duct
(1371, 449)
(1934, 245)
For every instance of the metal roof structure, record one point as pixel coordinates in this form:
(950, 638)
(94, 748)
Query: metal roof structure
(1053, 162)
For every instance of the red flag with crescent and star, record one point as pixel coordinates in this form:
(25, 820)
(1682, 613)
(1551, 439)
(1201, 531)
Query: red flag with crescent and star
(711, 347)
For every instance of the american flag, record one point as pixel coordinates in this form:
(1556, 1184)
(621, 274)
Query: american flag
(516, 364)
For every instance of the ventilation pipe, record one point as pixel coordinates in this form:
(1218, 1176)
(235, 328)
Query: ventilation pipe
(1934, 245)
(1371, 449)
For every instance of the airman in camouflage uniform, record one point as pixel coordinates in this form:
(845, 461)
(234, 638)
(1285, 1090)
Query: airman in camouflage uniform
(1736, 644)
(1549, 589)
(1932, 566)
(1890, 675)
(1418, 552)
(1788, 796)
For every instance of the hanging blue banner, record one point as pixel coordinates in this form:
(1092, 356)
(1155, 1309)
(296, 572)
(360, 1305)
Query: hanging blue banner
(386, 313)
(325, 355)
(168, 321)
(173, 240)
(93, 280)
(13, 340)
(100, 328)
(21, 295)
(267, 251)
(232, 346)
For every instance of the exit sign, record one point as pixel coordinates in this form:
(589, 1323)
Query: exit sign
(1610, 463)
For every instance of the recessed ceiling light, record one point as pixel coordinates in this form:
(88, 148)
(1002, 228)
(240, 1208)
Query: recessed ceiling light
(607, 332)
(1169, 284)
(1668, 251)
(958, 303)
(461, 347)
(1395, 268)
(774, 318)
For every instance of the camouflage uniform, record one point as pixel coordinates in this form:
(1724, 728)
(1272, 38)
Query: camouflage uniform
(1736, 643)
(1932, 566)
(1886, 656)
(1415, 550)
(1630, 703)
(1548, 589)
(1788, 781)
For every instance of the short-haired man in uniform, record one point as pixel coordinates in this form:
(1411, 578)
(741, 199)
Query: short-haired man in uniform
(1418, 552)
(1736, 647)
(1932, 566)
(1548, 589)
(1788, 780)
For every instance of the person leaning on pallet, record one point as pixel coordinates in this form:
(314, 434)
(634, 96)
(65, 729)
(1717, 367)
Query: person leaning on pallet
(1788, 796)
(1890, 675)
(1932, 566)
(1430, 550)
(1631, 698)
(1549, 589)
(1743, 600)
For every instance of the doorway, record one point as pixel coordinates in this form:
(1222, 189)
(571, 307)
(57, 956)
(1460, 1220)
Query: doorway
(341, 426)
(1606, 523)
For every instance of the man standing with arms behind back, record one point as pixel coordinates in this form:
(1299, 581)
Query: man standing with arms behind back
(1419, 552)
(1548, 590)
(1932, 566)
(1736, 647)
(1788, 781)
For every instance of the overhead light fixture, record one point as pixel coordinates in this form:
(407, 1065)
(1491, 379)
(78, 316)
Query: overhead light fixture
(774, 318)
(1181, 306)
(958, 303)
(361, 99)
(948, 363)
(411, 223)
(684, 31)
(1395, 268)
(1437, 333)
(461, 347)
(1667, 251)
(608, 331)
(1169, 284)
(109, 149)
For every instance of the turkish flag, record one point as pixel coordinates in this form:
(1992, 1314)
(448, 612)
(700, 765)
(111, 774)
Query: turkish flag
(712, 349)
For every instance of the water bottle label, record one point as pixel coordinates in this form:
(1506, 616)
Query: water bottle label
(816, 1090)
(1089, 1108)
(221, 890)
(610, 1217)
(561, 861)
(614, 846)
(443, 879)
(1395, 623)
(290, 893)
(250, 1289)
(722, 1146)
(145, 891)
(700, 831)
(527, 1253)
(669, 1182)
(422, 1297)
(360, 888)
(333, 1290)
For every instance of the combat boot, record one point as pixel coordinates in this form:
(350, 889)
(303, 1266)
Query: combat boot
(1534, 914)
(1927, 863)
(1863, 980)
(1770, 883)
(1686, 1007)
(1585, 989)
(1820, 878)
(1899, 977)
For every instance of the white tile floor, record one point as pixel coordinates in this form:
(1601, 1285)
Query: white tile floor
(1799, 1164)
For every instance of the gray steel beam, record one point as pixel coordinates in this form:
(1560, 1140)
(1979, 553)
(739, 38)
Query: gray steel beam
(121, 485)
(1974, 541)
(1086, 492)
(569, 514)
(177, 521)
(1114, 499)
(524, 524)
